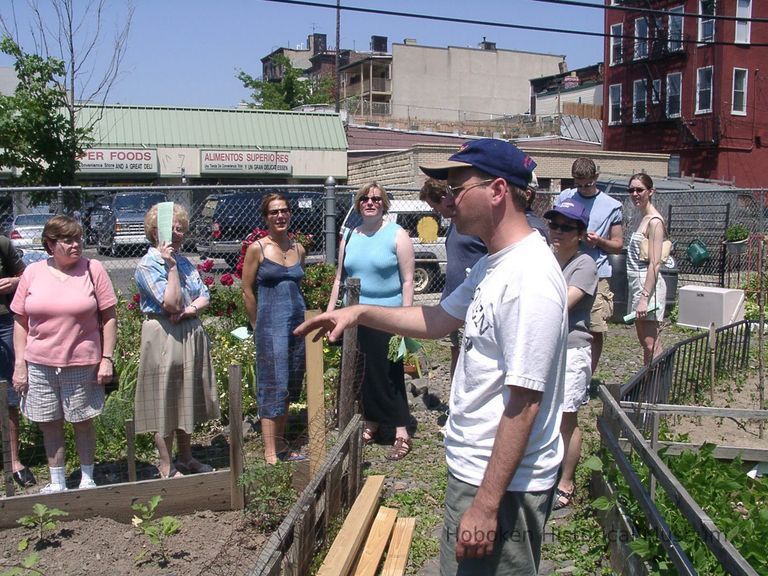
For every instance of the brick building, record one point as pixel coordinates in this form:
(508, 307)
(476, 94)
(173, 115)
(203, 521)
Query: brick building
(689, 79)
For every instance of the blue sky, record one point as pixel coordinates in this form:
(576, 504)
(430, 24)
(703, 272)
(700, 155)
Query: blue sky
(187, 52)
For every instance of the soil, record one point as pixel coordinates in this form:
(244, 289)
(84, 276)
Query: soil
(229, 542)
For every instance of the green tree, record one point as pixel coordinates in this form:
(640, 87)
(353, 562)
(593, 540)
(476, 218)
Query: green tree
(36, 135)
(293, 90)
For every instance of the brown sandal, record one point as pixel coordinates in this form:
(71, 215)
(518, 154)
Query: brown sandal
(400, 449)
(369, 436)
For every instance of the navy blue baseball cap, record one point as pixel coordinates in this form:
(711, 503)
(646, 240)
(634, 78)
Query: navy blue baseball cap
(496, 158)
(571, 210)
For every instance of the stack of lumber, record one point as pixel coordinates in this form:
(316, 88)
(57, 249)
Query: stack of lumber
(364, 537)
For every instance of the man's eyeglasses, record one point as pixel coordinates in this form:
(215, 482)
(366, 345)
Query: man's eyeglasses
(562, 227)
(456, 191)
(638, 190)
(374, 199)
(584, 184)
(278, 211)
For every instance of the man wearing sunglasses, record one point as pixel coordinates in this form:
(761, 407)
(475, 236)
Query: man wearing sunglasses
(502, 437)
(462, 252)
(604, 236)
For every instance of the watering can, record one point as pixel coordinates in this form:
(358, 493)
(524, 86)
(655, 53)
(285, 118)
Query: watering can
(697, 253)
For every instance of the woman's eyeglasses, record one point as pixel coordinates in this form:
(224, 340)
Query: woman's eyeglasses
(374, 199)
(638, 190)
(562, 227)
(278, 211)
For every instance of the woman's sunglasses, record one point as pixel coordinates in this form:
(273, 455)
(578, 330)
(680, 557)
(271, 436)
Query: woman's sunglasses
(562, 227)
(374, 199)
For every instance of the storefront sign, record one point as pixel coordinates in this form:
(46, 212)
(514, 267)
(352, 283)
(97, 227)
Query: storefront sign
(118, 161)
(245, 162)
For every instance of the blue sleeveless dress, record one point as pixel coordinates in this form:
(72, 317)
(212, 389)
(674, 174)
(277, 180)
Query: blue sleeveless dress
(279, 354)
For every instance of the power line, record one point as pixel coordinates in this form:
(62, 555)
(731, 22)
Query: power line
(660, 12)
(433, 18)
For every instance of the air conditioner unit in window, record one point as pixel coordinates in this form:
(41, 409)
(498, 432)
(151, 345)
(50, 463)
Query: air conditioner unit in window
(701, 305)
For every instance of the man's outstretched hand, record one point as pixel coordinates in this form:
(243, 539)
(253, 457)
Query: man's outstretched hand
(331, 323)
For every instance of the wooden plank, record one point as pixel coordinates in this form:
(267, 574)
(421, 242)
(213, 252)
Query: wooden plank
(184, 495)
(130, 449)
(616, 525)
(5, 433)
(721, 452)
(347, 544)
(348, 388)
(236, 490)
(685, 410)
(378, 538)
(399, 547)
(315, 398)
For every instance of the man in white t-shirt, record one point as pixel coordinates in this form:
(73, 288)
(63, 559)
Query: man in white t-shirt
(502, 437)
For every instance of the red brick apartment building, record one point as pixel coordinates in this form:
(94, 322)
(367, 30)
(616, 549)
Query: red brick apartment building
(690, 78)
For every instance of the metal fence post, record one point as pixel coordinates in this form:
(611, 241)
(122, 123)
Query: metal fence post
(60, 200)
(330, 220)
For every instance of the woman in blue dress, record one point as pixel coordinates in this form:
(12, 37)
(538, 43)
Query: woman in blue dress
(272, 271)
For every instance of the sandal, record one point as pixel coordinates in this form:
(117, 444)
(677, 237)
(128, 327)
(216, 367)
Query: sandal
(563, 498)
(172, 473)
(400, 449)
(369, 435)
(193, 467)
(290, 456)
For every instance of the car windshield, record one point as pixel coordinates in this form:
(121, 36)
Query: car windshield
(32, 219)
(137, 201)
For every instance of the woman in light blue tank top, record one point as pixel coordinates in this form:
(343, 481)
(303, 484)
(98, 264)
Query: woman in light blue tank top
(380, 254)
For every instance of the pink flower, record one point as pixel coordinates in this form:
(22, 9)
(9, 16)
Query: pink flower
(208, 280)
(137, 298)
(207, 266)
(227, 279)
(131, 305)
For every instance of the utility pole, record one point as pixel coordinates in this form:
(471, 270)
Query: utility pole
(338, 48)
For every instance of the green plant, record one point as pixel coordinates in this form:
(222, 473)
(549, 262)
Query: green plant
(736, 233)
(41, 519)
(157, 530)
(25, 566)
(317, 285)
(270, 493)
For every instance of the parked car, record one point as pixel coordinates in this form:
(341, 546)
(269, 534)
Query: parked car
(122, 222)
(27, 231)
(417, 218)
(226, 219)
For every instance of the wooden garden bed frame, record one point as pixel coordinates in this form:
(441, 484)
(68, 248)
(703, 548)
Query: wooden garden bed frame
(616, 423)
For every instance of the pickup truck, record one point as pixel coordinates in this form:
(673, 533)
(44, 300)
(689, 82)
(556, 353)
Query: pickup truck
(122, 223)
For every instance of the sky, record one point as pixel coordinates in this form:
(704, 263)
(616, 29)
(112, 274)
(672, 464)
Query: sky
(188, 52)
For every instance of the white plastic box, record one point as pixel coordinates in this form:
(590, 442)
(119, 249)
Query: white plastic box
(701, 305)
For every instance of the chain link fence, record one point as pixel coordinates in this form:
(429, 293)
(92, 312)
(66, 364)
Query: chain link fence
(222, 217)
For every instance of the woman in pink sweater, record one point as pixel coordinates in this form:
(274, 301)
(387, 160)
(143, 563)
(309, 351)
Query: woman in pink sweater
(61, 363)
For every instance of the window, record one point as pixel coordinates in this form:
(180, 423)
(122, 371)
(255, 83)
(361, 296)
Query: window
(656, 93)
(743, 10)
(739, 99)
(639, 100)
(704, 90)
(675, 38)
(674, 84)
(617, 50)
(614, 101)
(706, 24)
(641, 38)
